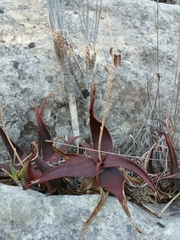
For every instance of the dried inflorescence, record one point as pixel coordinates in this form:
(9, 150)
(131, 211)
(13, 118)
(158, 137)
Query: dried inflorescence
(60, 44)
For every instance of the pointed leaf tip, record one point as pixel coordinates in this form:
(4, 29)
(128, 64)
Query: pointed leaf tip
(174, 168)
(120, 161)
(112, 180)
(95, 126)
(45, 135)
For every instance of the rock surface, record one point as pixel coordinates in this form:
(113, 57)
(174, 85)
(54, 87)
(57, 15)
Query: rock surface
(27, 215)
(29, 69)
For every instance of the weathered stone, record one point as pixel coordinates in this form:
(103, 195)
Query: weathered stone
(29, 69)
(27, 215)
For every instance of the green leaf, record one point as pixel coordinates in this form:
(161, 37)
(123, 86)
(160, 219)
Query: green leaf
(22, 174)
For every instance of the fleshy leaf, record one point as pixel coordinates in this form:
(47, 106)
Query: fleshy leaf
(60, 151)
(64, 145)
(92, 152)
(150, 166)
(174, 168)
(112, 180)
(95, 126)
(45, 135)
(44, 167)
(66, 156)
(120, 161)
(54, 158)
(44, 103)
(81, 166)
(169, 176)
(31, 174)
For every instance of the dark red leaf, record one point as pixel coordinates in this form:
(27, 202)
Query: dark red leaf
(173, 159)
(168, 176)
(120, 161)
(92, 152)
(66, 156)
(41, 111)
(44, 167)
(19, 151)
(174, 168)
(112, 180)
(43, 104)
(81, 166)
(34, 173)
(150, 166)
(45, 135)
(95, 125)
(31, 175)
(64, 145)
(56, 156)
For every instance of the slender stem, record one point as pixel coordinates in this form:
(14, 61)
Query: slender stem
(74, 115)
(103, 197)
(111, 77)
(167, 205)
(9, 140)
(157, 32)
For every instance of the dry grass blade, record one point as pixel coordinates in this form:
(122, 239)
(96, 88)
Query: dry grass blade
(36, 151)
(146, 159)
(167, 205)
(89, 20)
(102, 200)
(124, 206)
(111, 75)
(176, 74)
(55, 15)
(4, 128)
(153, 123)
(90, 25)
(97, 18)
(89, 185)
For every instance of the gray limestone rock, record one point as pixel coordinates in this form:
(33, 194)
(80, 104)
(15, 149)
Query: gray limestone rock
(27, 215)
(29, 69)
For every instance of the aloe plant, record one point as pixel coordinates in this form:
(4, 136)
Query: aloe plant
(105, 172)
(29, 170)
